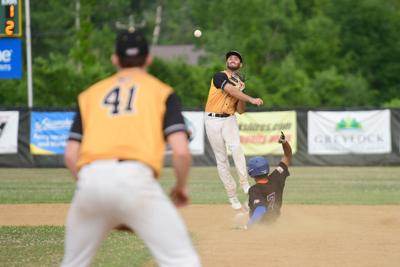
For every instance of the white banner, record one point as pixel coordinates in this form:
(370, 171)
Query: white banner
(347, 132)
(9, 132)
(194, 120)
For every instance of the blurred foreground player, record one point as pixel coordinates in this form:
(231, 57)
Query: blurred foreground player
(115, 151)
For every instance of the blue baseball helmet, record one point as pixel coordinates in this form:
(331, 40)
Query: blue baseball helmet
(258, 166)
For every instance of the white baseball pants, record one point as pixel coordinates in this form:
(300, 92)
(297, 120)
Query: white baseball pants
(223, 133)
(110, 193)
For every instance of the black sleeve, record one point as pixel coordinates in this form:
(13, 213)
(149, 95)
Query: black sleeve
(220, 79)
(173, 118)
(280, 173)
(285, 169)
(76, 127)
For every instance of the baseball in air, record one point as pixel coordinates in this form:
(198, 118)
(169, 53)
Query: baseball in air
(197, 33)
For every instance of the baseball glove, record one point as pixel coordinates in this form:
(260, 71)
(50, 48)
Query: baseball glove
(237, 80)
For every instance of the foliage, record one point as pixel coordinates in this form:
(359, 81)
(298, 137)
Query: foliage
(334, 89)
(290, 86)
(191, 84)
(309, 53)
(60, 81)
(394, 103)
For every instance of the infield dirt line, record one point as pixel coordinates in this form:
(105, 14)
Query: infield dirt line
(305, 235)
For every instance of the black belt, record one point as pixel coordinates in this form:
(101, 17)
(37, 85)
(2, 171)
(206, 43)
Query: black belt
(219, 115)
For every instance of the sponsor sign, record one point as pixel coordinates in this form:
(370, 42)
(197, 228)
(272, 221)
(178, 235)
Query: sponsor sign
(49, 132)
(9, 121)
(260, 131)
(346, 132)
(10, 59)
(194, 121)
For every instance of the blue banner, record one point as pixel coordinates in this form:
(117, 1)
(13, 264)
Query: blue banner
(49, 132)
(10, 58)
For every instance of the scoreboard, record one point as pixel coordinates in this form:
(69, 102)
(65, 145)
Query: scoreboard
(10, 18)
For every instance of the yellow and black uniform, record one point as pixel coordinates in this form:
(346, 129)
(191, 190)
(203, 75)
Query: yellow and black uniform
(122, 124)
(219, 101)
(126, 116)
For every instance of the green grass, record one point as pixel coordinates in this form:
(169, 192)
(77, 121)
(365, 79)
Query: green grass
(344, 185)
(43, 246)
(35, 186)
(306, 185)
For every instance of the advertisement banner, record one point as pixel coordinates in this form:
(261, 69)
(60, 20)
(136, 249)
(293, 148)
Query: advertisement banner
(10, 59)
(346, 132)
(194, 120)
(9, 132)
(260, 131)
(49, 132)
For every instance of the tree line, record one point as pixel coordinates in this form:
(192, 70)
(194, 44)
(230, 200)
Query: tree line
(297, 53)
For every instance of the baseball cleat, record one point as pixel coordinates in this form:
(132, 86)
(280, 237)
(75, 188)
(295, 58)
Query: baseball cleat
(235, 203)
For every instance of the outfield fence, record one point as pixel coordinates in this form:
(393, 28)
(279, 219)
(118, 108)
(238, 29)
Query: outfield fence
(319, 137)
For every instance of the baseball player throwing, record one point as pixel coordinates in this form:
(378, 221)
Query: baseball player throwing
(115, 151)
(265, 197)
(226, 97)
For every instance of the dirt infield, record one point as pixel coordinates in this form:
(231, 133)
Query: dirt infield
(304, 235)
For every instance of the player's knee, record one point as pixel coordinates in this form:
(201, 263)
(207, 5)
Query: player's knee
(223, 164)
(235, 148)
(230, 186)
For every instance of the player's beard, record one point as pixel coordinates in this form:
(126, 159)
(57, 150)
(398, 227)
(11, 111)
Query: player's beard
(233, 68)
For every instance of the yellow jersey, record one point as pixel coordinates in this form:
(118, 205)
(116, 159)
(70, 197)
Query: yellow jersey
(218, 100)
(126, 116)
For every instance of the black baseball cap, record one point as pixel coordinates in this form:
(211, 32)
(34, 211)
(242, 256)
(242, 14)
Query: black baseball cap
(131, 43)
(235, 53)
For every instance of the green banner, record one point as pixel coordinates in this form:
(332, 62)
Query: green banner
(10, 18)
(260, 131)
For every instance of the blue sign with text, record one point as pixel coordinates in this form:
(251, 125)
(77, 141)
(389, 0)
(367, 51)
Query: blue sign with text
(10, 58)
(49, 132)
